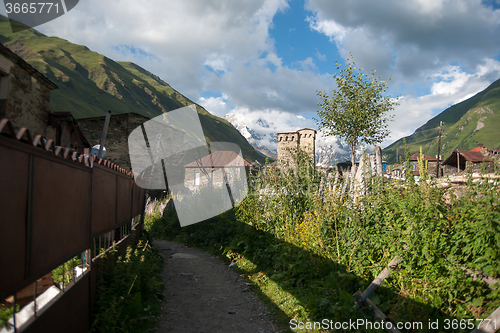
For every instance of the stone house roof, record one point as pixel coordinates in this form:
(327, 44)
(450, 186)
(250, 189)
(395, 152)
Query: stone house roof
(220, 159)
(297, 131)
(473, 156)
(416, 156)
(27, 67)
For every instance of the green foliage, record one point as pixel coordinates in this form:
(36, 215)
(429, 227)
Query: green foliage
(6, 313)
(309, 253)
(357, 109)
(65, 272)
(130, 291)
(407, 165)
(422, 165)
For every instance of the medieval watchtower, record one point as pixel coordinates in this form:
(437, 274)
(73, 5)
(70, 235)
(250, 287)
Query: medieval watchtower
(289, 142)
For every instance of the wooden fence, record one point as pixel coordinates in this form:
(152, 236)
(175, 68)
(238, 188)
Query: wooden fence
(56, 205)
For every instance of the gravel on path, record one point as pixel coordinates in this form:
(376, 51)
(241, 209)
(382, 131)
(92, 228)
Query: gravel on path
(202, 294)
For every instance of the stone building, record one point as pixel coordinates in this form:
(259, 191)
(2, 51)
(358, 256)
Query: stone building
(25, 101)
(63, 129)
(120, 127)
(208, 170)
(475, 160)
(24, 93)
(431, 164)
(288, 143)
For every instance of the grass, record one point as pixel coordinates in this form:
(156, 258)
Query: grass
(308, 255)
(129, 290)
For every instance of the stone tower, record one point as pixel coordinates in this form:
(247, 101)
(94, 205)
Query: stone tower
(289, 142)
(307, 141)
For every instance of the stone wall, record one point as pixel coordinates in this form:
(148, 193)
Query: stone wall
(24, 93)
(305, 139)
(480, 167)
(116, 144)
(307, 142)
(287, 148)
(217, 180)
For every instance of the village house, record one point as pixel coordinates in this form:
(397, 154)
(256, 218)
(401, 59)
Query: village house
(24, 93)
(344, 166)
(63, 129)
(475, 160)
(120, 127)
(431, 164)
(289, 142)
(25, 102)
(210, 170)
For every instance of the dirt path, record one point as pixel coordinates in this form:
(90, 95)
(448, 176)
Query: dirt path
(202, 294)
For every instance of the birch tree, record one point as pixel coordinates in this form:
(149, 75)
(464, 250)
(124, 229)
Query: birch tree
(357, 110)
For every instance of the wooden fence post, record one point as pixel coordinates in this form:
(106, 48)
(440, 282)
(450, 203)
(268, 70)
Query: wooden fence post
(378, 280)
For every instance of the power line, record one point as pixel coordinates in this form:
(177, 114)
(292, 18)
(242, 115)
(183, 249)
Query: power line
(424, 140)
(430, 129)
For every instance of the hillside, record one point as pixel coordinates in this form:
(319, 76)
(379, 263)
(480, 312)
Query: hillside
(90, 83)
(465, 125)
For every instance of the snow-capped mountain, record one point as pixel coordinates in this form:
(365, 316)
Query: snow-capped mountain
(328, 155)
(261, 134)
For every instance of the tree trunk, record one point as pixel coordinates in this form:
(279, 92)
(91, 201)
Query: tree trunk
(353, 162)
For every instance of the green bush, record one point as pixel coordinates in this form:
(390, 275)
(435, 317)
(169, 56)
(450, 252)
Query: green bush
(322, 248)
(129, 291)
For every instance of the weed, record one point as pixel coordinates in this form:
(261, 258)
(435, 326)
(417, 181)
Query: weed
(310, 251)
(129, 291)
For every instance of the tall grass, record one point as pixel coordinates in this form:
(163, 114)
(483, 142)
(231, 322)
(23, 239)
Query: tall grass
(302, 232)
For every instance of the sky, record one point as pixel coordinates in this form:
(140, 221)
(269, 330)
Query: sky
(265, 59)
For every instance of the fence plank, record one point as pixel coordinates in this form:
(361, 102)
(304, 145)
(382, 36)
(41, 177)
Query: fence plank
(103, 199)
(378, 280)
(60, 213)
(13, 198)
(377, 313)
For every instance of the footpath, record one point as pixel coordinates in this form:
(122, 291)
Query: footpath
(204, 295)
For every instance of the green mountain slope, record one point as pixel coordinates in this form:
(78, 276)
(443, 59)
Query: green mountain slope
(465, 125)
(90, 83)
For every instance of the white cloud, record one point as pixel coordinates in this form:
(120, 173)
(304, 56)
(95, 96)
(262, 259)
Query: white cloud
(407, 39)
(257, 87)
(189, 37)
(215, 105)
(320, 56)
(449, 81)
(445, 47)
(452, 86)
(218, 62)
(199, 45)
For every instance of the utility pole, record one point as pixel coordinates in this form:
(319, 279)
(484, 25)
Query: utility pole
(439, 149)
(103, 135)
(397, 155)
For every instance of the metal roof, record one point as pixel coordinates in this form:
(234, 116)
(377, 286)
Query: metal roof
(473, 155)
(416, 156)
(220, 159)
